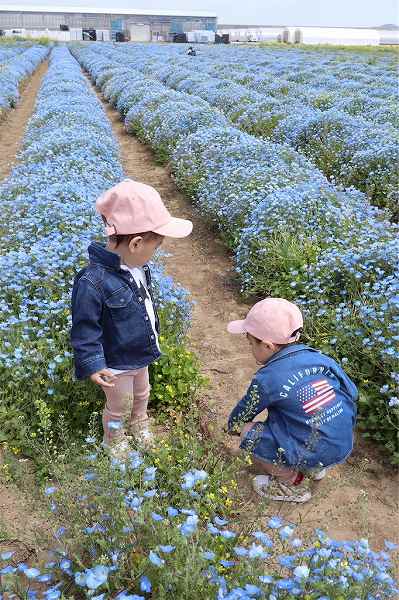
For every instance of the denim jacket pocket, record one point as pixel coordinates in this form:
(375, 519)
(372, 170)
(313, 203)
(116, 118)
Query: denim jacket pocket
(120, 303)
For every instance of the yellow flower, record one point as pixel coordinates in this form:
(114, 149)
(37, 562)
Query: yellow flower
(229, 502)
(224, 489)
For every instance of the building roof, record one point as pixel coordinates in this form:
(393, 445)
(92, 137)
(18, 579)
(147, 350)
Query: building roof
(106, 11)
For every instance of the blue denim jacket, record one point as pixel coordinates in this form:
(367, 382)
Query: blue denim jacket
(110, 325)
(311, 405)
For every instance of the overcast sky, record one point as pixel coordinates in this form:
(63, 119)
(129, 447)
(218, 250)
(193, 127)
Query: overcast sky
(259, 12)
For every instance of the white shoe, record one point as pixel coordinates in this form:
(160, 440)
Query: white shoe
(142, 433)
(119, 450)
(318, 475)
(280, 491)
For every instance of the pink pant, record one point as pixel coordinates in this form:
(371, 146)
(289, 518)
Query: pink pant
(127, 400)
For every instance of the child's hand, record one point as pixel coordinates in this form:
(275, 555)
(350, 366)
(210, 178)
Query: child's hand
(103, 378)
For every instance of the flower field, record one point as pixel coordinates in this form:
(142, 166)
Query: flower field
(16, 63)
(346, 122)
(175, 521)
(293, 232)
(69, 157)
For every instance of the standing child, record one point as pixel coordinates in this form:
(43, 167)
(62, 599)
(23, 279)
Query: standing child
(311, 404)
(114, 322)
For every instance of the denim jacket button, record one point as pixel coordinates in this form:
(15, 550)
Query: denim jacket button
(152, 337)
(146, 318)
(140, 299)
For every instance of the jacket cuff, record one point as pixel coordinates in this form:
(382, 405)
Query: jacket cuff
(84, 370)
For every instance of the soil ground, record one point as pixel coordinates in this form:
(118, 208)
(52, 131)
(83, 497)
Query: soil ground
(358, 499)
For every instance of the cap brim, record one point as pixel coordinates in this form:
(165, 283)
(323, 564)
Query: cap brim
(236, 327)
(175, 228)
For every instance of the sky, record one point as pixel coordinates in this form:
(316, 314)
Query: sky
(360, 13)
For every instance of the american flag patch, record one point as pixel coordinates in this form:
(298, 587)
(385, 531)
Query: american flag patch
(316, 395)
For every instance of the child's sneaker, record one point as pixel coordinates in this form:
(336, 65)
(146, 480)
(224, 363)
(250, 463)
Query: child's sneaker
(119, 449)
(141, 431)
(280, 491)
(317, 474)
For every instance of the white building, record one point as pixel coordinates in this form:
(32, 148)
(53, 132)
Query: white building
(338, 36)
(77, 23)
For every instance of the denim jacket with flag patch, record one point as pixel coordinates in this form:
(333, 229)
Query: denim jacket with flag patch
(110, 325)
(311, 405)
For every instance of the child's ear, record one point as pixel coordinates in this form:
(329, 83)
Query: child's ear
(134, 243)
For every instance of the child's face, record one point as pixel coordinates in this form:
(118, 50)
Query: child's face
(139, 250)
(262, 351)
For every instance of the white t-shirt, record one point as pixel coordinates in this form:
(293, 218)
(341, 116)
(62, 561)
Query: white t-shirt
(139, 277)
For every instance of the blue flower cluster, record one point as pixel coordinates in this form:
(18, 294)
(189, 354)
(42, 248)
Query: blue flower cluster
(293, 232)
(344, 124)
(69, 156)
(17, 63)
(223, 564)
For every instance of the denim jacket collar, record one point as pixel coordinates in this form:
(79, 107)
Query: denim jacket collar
(99, 255)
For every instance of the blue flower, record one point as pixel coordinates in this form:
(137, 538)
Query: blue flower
(155, 559)
(145, 584)
(275, 522)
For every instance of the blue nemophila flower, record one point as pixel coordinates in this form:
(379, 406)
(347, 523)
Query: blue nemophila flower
(114, 425)
(149, 474)
(90, 476)
(167, 549)
(266, 578)
(155, 559)
(256, 551)
(286, 532)
(302, 572)
(172, 512)
(390, 546)
(263, 538)
(50, 490)
(127, 596)
(8, 569)
(208, 555)
(135, 459)
(227, 534)
(145, 584)
(189, 526)
(6, 555)
(156, 517)
(31, 573)
(227, 563)
(220, 522)
(191, 478)
(275, 522)
(60, 532)
(150, 493)
(65, 565)
(240, 551)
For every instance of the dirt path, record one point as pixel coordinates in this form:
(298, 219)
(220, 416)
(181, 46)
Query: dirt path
(358, 499)
(12, 128)
(17, 518)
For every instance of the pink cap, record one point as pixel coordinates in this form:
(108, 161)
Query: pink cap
(133, 207)
(271, 320)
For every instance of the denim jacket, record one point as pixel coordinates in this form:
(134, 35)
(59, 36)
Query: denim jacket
(110, 325)
(311, 405)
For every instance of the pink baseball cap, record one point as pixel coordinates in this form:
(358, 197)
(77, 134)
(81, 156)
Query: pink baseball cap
(271, 320)
(133, 207)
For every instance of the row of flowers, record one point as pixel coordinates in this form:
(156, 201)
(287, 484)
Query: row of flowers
(311, 116)
(293, 233)
(69, 156)
(131, 530)
(15, 65)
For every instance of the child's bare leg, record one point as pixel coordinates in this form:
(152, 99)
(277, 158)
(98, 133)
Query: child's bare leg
(263, 467)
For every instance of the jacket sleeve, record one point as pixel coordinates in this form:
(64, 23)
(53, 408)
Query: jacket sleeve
(254, 402)
(86, 332)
